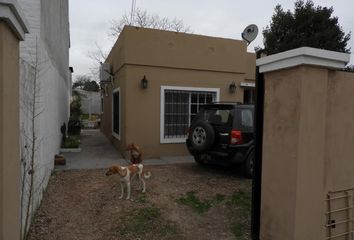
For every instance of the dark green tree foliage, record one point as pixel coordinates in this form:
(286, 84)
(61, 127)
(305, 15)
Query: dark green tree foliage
(350, 68)
(74, 125)
(85, 83)
(307, 26)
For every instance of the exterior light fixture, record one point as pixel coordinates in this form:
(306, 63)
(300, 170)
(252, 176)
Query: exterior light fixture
(232, 87)
(144, 83)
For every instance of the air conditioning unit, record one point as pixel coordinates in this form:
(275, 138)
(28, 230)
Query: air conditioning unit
(105, 73)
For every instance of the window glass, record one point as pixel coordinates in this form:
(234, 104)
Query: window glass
(216, 116)
(246, 118)
(180, 109)
(116, 112)
(249, 96)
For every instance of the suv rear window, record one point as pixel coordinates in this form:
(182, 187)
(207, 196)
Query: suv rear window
(217, 116)
(246, 118)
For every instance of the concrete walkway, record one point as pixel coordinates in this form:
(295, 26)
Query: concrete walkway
(97, 152)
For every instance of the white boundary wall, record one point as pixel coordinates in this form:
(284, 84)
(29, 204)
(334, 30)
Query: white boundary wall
(49, 31)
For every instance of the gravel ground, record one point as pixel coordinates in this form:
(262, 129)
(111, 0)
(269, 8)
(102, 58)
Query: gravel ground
(183, 201)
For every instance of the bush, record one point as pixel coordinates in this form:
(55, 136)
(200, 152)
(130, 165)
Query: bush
(74, 126)
(71, 142)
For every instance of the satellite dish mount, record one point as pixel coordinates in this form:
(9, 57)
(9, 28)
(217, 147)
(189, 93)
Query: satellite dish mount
(250, 33)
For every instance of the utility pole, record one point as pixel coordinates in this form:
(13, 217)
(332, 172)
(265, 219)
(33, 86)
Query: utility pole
(132, 12)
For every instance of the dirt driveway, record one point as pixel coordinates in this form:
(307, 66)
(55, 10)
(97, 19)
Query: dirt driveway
(183, 201)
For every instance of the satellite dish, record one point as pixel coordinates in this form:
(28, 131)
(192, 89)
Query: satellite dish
(250, 33)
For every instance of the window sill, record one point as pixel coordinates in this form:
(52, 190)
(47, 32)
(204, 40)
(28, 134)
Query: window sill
(172, 140)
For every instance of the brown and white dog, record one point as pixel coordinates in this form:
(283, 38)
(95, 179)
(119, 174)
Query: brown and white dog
(135, 153)
(127, 174)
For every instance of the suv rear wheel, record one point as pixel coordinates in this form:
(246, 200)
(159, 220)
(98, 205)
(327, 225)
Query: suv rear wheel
(248, 165)
(202, 136)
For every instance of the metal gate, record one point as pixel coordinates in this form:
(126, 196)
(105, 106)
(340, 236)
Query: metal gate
(339, 215)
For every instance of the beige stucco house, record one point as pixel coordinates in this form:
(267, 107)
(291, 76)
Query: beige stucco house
(153, 83)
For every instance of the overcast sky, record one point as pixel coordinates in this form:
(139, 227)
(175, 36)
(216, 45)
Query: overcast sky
(90, 20)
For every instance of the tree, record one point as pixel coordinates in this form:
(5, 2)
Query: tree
(349, 68)
(74, 124)
(141, 18)
(308, 26)
(97, 56)
(31, 104)
(84, 82)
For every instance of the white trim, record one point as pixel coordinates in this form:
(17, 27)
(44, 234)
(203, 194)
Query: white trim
(117, 136)
(10, 12)
(303, 56)
(162, 108)
(248, 84)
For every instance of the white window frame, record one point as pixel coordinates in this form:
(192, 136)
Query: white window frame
(162, 108)
(117, 136)
(248, 84)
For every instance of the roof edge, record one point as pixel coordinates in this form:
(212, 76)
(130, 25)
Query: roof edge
(11, 13)
(303, 56)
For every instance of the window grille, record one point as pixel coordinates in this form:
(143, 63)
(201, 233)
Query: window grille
(181, 106)
(339, 215)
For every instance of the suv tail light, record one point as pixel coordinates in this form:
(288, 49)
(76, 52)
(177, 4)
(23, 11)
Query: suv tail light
(236, 137)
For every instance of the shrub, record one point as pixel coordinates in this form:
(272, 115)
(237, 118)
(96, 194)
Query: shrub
(74, 126)
(71, 142)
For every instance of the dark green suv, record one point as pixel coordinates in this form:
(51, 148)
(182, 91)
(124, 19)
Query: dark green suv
(223, 132)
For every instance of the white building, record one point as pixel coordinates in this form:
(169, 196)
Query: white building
(45, 49)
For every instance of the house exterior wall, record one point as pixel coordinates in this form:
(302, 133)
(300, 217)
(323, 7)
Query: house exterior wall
(290, 102)
(250, 67)
(48, 45)
(168, 59)
(339, 129)
(307, 152)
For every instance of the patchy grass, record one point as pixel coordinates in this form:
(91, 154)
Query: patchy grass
(142, 199)
(84, 205)
(241, 200)
(146, 223)
(190, 199)
(200, 206)
(238, 230)
(239, 205)
(86, 116)
(219, 198)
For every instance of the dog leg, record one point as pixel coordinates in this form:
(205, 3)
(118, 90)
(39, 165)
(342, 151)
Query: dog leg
(121, 190)
(143, 182)
(128, 190)
(139, 176)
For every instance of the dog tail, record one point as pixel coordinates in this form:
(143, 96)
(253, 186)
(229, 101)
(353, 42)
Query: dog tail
(147, 175)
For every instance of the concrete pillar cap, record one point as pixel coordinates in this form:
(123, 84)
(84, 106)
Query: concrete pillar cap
(11, 13)
(303, 56)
